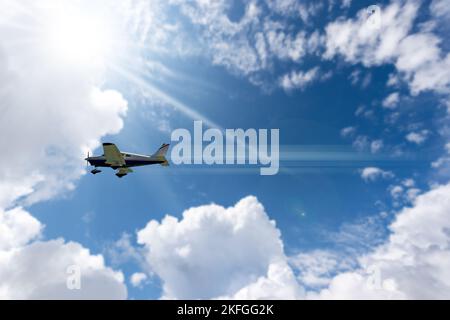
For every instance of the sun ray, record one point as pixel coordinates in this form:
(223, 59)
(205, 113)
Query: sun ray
(153, 90)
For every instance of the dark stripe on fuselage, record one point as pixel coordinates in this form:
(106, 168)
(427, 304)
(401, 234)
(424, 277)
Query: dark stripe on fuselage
(129, 163)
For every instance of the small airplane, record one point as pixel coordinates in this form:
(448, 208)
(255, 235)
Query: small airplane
(122, 161)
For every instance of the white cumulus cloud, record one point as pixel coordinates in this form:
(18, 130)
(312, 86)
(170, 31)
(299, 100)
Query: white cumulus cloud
(213, 251)
(52, 113)
(414, 262)
(240, 251)
(40, 271)
(17, 228)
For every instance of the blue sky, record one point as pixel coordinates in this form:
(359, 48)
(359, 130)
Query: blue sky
(351, 160)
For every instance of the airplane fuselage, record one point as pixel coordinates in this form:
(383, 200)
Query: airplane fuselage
(131, 160)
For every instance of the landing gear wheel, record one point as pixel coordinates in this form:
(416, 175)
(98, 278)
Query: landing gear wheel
(95, 171)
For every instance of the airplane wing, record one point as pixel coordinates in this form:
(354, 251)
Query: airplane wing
(113, 155)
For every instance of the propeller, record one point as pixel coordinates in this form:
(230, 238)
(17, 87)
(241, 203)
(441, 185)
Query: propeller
(87, 161)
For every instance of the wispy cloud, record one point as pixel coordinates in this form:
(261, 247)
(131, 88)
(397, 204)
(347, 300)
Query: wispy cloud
(374, 173)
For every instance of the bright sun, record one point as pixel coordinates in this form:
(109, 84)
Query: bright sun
(79, 39)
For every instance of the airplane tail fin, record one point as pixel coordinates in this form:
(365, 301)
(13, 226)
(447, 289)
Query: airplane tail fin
(161, 153)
